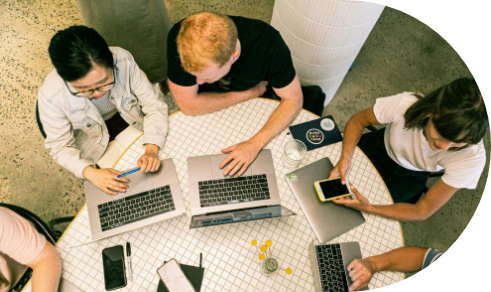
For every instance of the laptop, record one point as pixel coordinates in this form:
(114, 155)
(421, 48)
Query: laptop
(329, 263)
(217, 199)
(340, 219)
(152, 197)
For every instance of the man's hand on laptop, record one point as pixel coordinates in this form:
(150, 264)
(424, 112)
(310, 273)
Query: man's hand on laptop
(360, 203)
(240, 157)
(360, 271)
(105, 179)
(150, 161)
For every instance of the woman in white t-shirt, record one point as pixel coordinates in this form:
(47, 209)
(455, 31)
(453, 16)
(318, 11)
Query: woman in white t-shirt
(442, 131)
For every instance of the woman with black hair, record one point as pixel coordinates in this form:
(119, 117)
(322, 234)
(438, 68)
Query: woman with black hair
(442, 131)
(93, 94)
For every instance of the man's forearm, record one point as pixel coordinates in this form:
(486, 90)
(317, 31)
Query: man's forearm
(404, 259)
(208, 102)
(282, 116)
(400, 211)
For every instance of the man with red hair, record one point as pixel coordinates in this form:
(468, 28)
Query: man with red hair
(215, 61)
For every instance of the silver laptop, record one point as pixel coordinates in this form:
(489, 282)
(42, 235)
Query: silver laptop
(329, 263)
(152, 197)
(218, 199)
(339, 219)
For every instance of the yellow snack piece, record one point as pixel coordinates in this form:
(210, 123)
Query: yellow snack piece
(261, 256)
(288, 271)
(254, 242)
(263, 248)
(269, 242)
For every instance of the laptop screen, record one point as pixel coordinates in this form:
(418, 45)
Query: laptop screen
(241, 215)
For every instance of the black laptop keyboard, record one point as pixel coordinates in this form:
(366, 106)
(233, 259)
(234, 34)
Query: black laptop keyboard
(331, 269)
(233, 190)
(137, 207)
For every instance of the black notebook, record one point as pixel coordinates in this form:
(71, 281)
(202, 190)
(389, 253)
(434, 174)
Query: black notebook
(194, 274)
(317, 133)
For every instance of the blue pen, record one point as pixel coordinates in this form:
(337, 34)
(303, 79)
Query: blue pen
(129, 172)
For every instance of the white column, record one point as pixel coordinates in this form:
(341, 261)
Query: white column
(324, 37)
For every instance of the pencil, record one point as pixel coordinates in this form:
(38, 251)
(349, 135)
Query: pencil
(129, 172)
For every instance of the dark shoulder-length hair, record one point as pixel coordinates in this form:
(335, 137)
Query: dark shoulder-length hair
(457, 111)
(75, 50)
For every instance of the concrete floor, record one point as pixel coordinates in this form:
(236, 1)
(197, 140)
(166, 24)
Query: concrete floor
(401, 54)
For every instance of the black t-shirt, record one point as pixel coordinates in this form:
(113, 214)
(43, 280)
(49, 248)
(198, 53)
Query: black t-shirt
(264, 56)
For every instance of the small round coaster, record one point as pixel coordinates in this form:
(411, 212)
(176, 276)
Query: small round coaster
(315, 136)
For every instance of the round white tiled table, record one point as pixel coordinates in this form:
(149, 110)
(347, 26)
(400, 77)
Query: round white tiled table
(230, 261)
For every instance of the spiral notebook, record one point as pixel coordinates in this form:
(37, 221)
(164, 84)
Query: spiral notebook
(118, 146)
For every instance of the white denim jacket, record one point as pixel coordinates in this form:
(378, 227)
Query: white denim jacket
(77, 135)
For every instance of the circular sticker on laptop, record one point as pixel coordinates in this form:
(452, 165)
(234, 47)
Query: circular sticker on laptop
(315, 136)
(327, 124)
(293, 178)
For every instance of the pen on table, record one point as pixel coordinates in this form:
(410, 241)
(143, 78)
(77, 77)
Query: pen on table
(128, 254)
(129, 172)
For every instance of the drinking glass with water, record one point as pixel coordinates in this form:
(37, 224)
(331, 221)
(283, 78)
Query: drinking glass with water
(293, 154)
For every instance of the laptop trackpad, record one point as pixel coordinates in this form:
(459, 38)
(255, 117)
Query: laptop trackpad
(140, 182)
(217, 173)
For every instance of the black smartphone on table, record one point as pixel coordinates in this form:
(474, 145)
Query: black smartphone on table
(114, 267)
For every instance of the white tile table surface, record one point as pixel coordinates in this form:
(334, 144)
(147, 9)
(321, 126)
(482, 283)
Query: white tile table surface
(230, 261)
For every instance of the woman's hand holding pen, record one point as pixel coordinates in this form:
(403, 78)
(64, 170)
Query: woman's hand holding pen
(106, 179)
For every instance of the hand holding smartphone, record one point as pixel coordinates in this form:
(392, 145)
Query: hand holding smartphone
(330, 189)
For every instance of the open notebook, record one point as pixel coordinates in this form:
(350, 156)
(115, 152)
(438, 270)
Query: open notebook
(117, 147)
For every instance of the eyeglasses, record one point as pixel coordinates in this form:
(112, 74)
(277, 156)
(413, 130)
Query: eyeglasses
(90, 92)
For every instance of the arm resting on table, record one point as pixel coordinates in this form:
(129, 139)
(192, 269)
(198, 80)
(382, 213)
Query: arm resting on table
(192, 103)
(290, 105)
(406, 259)
(243, 154)
(46, 270)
